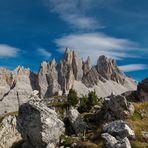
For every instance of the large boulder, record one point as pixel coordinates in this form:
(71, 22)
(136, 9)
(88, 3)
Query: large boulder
(38, 124)
(116, 107)
(76, 120)
(112, 142)
(9, 134)
(142, 90)
(119, 128)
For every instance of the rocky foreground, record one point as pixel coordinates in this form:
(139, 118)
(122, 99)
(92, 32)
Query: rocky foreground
(112, 122)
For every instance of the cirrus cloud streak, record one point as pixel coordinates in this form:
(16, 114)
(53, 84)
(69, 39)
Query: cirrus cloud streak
(8, 51)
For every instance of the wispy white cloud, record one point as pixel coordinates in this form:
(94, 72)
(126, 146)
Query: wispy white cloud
(133, 67)
(96, 44)
(74, 13)
(8, 51)
(44, 53)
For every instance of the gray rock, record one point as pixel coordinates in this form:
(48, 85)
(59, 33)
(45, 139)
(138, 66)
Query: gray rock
(109, 70)
(76, 121)
(119, 128)
(86, 66)
(91, 78)
(38, 124)
(15, 88)
(48, 79)
(8, 132)
(117, 107)
(112, 142)
(77, 67)
(145, 134)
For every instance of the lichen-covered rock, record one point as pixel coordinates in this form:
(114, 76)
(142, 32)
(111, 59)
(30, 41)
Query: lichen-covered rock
(76, 120)
(38, 124)
(116, 107)
(112, 142)
(119, 128)
(8, 132)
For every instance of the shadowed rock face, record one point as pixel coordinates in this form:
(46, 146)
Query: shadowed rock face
(109, 70)
(115, 107)
(142, 90)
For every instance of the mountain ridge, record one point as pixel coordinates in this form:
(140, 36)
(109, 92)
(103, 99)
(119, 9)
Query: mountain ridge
(58, 78)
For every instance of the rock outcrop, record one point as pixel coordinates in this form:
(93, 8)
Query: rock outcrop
(48, 79)
(38, 124)
(119, 128)
(142, 90)
(8, 132)
(116, 107)
(116, 134)
(112, 142)
(15, 88)
(109, 70)
(76, 121)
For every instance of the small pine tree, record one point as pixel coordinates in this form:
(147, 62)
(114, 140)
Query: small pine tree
(92, 98)
(83, 105)
(72, 97)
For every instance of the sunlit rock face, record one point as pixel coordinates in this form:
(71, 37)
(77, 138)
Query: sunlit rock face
(9, 135)
(15, 88)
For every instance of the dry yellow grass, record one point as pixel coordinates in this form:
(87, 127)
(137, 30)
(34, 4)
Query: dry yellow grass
(139, 123)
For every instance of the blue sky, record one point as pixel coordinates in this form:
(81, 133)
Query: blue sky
(32, 31)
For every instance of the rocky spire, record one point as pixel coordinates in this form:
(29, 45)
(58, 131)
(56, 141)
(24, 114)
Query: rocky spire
(48, 79)
(86, 66)
(108, 69)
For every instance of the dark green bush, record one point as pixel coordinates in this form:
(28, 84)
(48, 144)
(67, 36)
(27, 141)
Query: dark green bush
(83, 104)
(92, 98)
(72, 97)
(86, 103)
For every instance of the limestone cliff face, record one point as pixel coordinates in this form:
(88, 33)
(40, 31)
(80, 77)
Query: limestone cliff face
(15, 87)
(8, 132)
(108, 69)
(48, 79)
(73, 72)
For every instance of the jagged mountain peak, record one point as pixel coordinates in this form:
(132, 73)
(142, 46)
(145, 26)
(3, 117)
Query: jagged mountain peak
(71, 69)
(58, 78)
